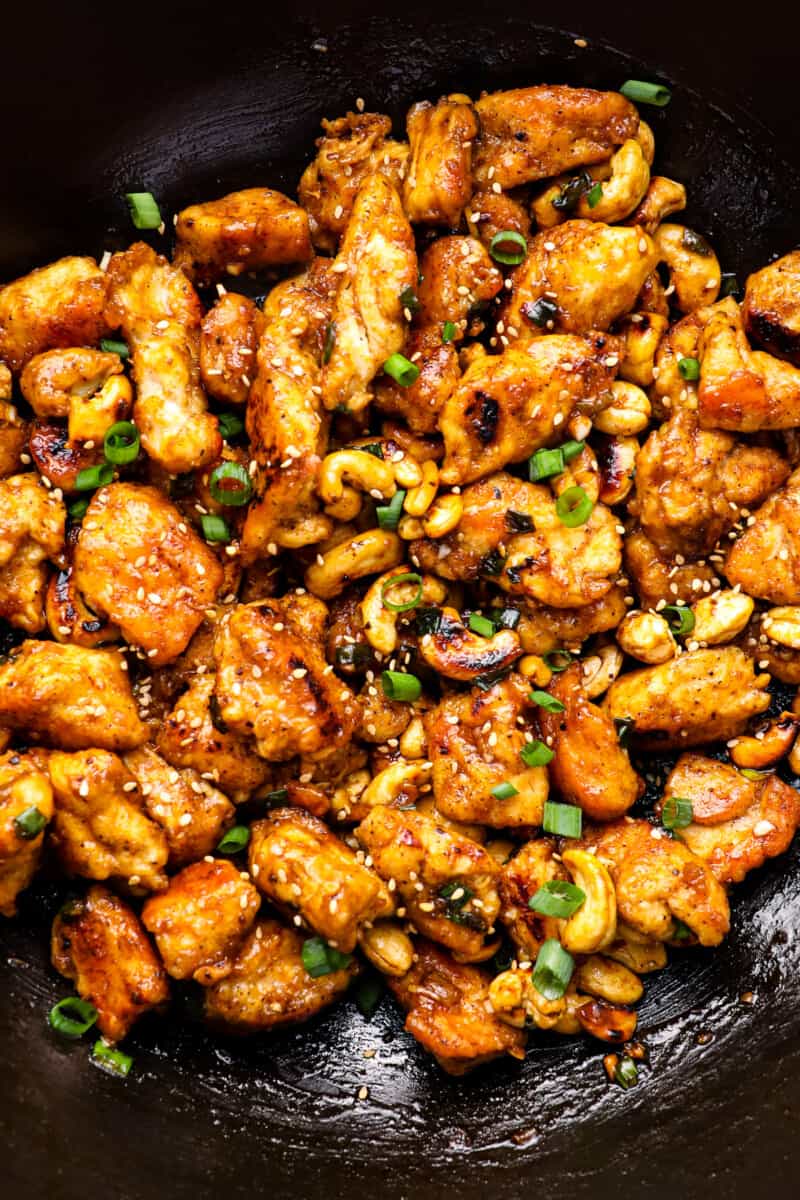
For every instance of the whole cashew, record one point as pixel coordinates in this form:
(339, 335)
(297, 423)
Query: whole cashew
(663, 198)
(782, 625)
(594, 925)
(413, 743)
(443, 515)
(692, 264)
(642, 332)
(721, 617)
(457, 653)
(369, 474)
(387, 947)
(647, 636)
(775, 742)
(623, 190)
(634, 950)
(304, 531)
(367, 553)
(600, 670)
(380, 623)
(515, 1000)
(420, 498)
(629, 413)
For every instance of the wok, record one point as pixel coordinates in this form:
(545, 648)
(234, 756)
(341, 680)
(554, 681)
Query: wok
(191, 100)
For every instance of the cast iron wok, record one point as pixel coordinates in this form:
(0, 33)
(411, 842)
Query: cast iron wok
(190, 102)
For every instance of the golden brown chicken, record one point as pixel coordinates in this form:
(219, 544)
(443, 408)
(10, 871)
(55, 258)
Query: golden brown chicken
(26, 807)
(438, 182)
(13, 434)
(420, 404)
(521, 877)
(229, 338)
(31, 532)
(771, 311)
(456, 276)
(765, 560)
(58, 305)
(60, 383)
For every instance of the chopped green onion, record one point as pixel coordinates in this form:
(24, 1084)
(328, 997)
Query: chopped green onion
(540, 312)
(626, 1073)
(77, 509)
(94, 477)
(277, 796)
(330, 342)
(370, 990)
(504, 791)
(729, 285)
(230, 425)
(458, 895)
(557, 660)
(641, 92)
(563, 820)
(507, 238)
(230, 484)
(354, 654)
(553, 970)
(409, 299)
(145, 212)
(574, 507)
(751, 773)
(689, 369)
(29, 823)
(681, 932)
(594, 195)
(321, 959)
(215, 529)
(696, 243)
(71, 1017)
(624, 727)
(429, 620)
(535, 754)
(401, 370)
(481, 625)
(677, 813)
(570, 195)
(449, 331)
(399, 685)
(679, 617)
(373, 448)
(110, 346)
(557, 898)
(113, 1061)
(518, 522)
(234, 840)
(570, 450)
(406, 577)
(389, 514)
(544, 464)
(121, 444)
(549, 703)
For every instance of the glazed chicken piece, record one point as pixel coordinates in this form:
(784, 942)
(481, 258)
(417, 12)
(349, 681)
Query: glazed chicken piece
(537, 132)
(438, 182)
(31, 532)
(484, 525)
(57, 305)
(13, 431)
(447, 267)
(497, 212)
(419, 405)
(70, 697)
(68, 616)
(160, 313)
(98, 942)
(59, 460)
(448, 1012)
(229, 339)
(243, 231)
(659, 881)
(771, 310)
(474, 741)
(307, 870)
(765, 560)
(702, 696)
(377, 262)
(269, 986)
(100, 827)
(352, 148)
(657, 577)
(670, 391)
(520, 879)
(24, 791)
(543, 628)
(274, 684)
(140, 565)
(584, 736)
(737, 823)
(200, 922)
(448, 882)
(63, 383)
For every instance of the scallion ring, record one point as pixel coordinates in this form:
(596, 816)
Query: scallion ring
(594, 195)
(549, 703)
(504, 791)
(557, 660)
(29, 823)
(689, 369)
(557, 898)
(500, 250)
(234, 840)
(389, 514)
(544, 464)
(72, 1017)
(399, 685)
(553, 970)
(626, 1073)
(481, 625)
(121, 444)
(448, 331)
(321, 959)
(230, 484)
(94, 477)
(677, 812)
(574, 507)
(563, 820)
(402, 370)
(395, 581)
(145, 213)
(535, 754)
(230, 425)
(641, 92)
(111, 1060)
(111, 346)
(679, 617)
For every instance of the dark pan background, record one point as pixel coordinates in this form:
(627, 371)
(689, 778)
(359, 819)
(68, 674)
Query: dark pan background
(190, 100)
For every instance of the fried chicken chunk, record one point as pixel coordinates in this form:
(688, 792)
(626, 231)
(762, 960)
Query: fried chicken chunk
(702, 696)
(659, 881)
(13, 434)
(99, 943)
(31, 532)
(438, 183)
(765, 560)
(590, 768)
(419, 405)
(58, 305)
(657, 577)
(474, 740)
(201, 920)
(269, 986)
(140, 565)
(24, 792)
(274, 684)
(58, 381)
(306, 869)
(771, 308)
(520, 879)
(70, 697)
(229, 339)
(448, 267)
(448, 882)
(243, 231)
(537, 132)
(160, 313)
(448, 1012)
(100, 827)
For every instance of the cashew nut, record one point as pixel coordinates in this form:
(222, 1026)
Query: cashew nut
(91, 417)
(646, 139)
(635, 950)
(407, 471)
(647, 636)
(413, 743)
(367, 553)
(443, 515)
(622, 191)
(304, 531)
(600, 670)
(410, 528)
(663, 198)
(420, 498)
(692, 264)
(722, 617)
(457, 653)
(369, 474)
(629, 413)
(380, 623)
(610, 980)
(515, 1000)
(347, 796)
(617, 468)
(594, 925)
(536, 669)
(392, 781)
(642, 332)
(782, 625)
(387, 947)
(771, 745)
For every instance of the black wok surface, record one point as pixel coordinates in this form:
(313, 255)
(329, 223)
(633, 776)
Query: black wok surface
(190, 100)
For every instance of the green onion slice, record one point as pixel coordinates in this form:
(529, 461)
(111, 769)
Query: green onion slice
(508, 247)
(389, 514)
(677, 813)
(481, 625)
(399, 685)
(570, 195)
(729, 285)
(557, 898)
(29, 823)
(230, 484)
(321, 959)
(681, 932)
(570, 450)
(145, 212)
(641, 92)
(230, 425)
(71, 1017)
(553, 970)
(448, 331)
(409, 299)
(111, 346)
(540, 312)
(78, 508)
(689, 369)
(563, 820)
(594, 195)
(549, 703)
(215, 529)
(535, 754)
(485, 683)
(110, 1059)
(752, 773)
(330, 342)
(94, 477)
(557, 660)
(574, 507)
(544, 464)
(406, 577)
(121, 444)
(679, 617)
(353, 654)
(373, 448)
(626, 1073)
(504, 791)
(277, 796)
(234, 840)
(370, 990)
(401, 369)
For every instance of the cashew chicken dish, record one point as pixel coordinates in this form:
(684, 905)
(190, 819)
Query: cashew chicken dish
(394, 585)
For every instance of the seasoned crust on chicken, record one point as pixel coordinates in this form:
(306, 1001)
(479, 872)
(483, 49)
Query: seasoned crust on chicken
(657, 577)
(438, 182)
(99, 943)
(57, 305)
(58, 381)
(447, 267)
(23, 786)
(497, 212)
(543, 628)
(771, 309)
(229, 338)
(483, 526)
(140, 565)
(31, 532)
(419, 405)
(70, 697)
(521, 877)
(447, 1005)
(13, 436)
(774, 539)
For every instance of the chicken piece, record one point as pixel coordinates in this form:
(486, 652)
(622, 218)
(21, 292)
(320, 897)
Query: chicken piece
(99, 943)
(449, 1012)
(192, 812)
(537, 132)
(737, 823)
(448, 882)
(520, 879)
(274, 684)
(771, 542)
(57, 305)
(229, 339)
(771, 310)
(438, 183)
(6, 383)
(448, 266)
(543, 628)
(702, 696)
(160, 313)
(506, 406)
(691, 483)
(24, 791)
(592, 273)
(13, 438)
(660, 578)
(31, 532)
(243, 231)
(286, 422)
(70, 383)
(581, 734)
(467, 552)
(269, 986)
(304, 868)
(659, 881)
(230, 760)
(352, 148)
(100, 827)
(474, 741)
(377, 262)
(419, 405)
(497, 212)
(140, 565)
(59, 460)
(68, 616)
(670, 391)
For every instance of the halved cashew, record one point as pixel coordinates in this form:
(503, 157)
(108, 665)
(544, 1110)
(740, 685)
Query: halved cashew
(646, 139)
(782, 625)
(600, 670)
(616, 464)
(91, 417)
(457, 653)
(380, 623)
(413, 743)
(536, 669)
(634, 950)
(721, 617)
(629, 413)
(647, 636)
(594, 925)
(663, 198)
(692, 265)
(516, 1001)
(410, 528)
(392, 781)
(420, 498)
(348, 794)
(622, 191)
(443, 515)
(771, 744)
(387, 947)
(305, 531)
(344, 471)
(407, 471)
(610, 980)
(643, 332)
(367, 553)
